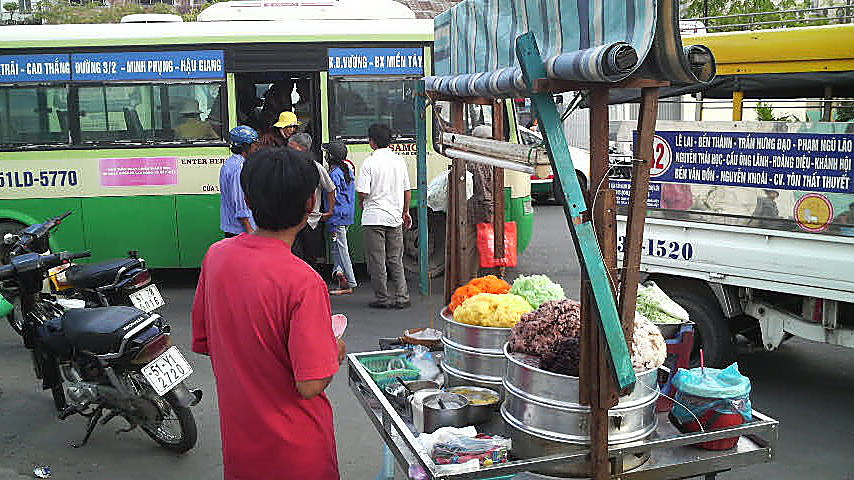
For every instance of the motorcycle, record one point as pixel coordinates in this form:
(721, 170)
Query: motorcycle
(104, 362)
(124, 281)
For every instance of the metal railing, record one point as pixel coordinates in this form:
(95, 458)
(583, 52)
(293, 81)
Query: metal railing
(799, 17)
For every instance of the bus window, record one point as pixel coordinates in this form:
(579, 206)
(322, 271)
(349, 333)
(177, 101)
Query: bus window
(356, 104)
(147, 113)
(33, 116)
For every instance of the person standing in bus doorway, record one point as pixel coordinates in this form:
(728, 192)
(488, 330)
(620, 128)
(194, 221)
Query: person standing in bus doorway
(264, 319)
(234, 215)
(383, 186)
(309, 243)
(280, 132)
(343, 176)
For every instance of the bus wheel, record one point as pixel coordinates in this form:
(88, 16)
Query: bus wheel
(712, 331)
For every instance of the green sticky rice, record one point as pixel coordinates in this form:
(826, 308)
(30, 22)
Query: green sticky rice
(537, 289)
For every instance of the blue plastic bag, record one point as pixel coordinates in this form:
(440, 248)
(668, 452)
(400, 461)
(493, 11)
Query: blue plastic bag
(700, 390)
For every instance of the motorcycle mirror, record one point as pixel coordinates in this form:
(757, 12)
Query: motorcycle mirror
(10, 239)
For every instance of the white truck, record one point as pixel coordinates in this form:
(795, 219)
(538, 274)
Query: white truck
(750, 227)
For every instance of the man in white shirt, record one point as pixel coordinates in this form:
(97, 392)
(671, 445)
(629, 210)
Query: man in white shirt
(383, 186)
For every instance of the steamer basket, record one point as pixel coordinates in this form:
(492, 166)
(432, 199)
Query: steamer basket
(543, 417)
(490, 339)
(473, 355)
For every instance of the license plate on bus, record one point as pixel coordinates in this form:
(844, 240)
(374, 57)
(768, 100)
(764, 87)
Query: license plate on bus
(147, 299)
(167, 370)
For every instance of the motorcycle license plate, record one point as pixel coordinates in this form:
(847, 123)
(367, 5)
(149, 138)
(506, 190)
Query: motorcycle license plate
(147, 299)
(167, 370)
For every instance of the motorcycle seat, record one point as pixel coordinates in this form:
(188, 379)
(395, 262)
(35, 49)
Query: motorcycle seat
(99, 274)
(99, 330)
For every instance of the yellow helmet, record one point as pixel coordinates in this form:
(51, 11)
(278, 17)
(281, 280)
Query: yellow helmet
(287, 119)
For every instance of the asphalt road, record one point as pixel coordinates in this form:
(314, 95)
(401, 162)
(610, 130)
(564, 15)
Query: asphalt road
(808, 387)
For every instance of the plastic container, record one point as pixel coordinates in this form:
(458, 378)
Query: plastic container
(384, 369)
(717, 398)
(713, 420)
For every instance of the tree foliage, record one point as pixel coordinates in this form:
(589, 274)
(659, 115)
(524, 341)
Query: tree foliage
(714, 8)
(63, 11)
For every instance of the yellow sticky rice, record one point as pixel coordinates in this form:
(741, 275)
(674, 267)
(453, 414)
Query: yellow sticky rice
(492, 310)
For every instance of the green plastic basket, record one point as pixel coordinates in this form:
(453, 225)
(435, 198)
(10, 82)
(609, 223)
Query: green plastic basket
(385, 368)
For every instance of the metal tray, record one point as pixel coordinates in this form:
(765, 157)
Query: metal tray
(671, 457)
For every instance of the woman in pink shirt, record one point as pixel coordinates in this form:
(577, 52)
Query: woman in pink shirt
(263, 316)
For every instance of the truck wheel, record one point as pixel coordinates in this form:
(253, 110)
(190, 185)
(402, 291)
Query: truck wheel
(712, 332)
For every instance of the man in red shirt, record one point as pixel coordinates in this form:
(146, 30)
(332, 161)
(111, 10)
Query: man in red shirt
(264, 318)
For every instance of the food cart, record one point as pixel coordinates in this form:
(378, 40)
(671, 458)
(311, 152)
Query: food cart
(670, 453)
(603, 422)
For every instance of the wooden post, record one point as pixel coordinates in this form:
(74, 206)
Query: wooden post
(637, 211)
(455, 248)
(498, 116)
(593, 349)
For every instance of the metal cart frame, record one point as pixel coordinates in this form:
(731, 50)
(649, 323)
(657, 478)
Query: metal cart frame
(671, 456)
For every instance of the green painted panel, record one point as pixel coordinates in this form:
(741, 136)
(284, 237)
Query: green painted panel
(148, 224)
(198, 227)
(68, 236)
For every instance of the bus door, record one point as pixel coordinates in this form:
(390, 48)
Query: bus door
(263, 96)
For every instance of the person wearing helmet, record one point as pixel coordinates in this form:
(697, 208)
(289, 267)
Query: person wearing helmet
(234, 215)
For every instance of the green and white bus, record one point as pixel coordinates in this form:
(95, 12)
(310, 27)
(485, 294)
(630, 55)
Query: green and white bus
(124, 123)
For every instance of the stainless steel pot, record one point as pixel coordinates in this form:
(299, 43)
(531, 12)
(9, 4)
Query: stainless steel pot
(543, 415)
(473, 354)
(526, 445)
(454, 413)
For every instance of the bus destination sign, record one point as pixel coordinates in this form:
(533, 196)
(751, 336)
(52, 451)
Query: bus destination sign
(88, 67)
(376, 61)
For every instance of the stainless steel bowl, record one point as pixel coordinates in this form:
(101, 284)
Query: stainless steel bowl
(478, 413)
(401, 398)
(455, 413)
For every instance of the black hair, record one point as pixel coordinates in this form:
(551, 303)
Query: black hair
(241, 149)
(340, 163)
(277, 182)
(381, 135)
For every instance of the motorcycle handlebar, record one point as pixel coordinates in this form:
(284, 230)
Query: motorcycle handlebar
(33, 261)
(37, 231)
(69, 256)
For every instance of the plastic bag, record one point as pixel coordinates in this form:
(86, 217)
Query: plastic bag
(424, 361)
(724, 392)
(486, 246)
(486, 449)
(437, 191)
(657, 306)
